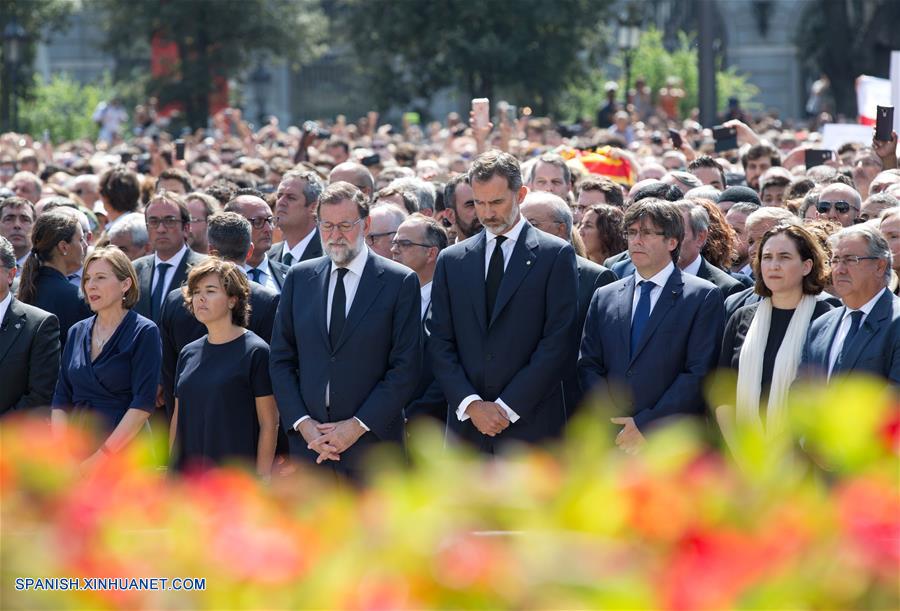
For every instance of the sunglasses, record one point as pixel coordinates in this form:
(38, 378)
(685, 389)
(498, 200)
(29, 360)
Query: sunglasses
(841, 206)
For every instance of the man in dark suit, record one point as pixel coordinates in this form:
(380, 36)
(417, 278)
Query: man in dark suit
(504, 304)
(250, 204)
(29, 345)
(228, 236)
(347, 343)
(295, 205)
(169, 225)
(655, 334)
(550, 213)
(416, 244)
(863, 336)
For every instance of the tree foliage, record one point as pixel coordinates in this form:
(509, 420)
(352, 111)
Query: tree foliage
(529, 50)
(846, 38)
(64, 108)
(215, 40)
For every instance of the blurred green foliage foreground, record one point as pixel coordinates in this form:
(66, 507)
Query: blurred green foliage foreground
(812, 524)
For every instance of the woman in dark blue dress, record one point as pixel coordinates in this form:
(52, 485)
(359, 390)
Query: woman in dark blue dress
(58, 250)
(224, 408)
(111, 363)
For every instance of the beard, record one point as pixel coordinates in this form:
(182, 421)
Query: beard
(468, 230)
(341, 251)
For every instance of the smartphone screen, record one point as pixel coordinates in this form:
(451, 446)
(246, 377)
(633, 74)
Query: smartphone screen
(675, 137)
(179, 149)
(481, 110)
(884, 123)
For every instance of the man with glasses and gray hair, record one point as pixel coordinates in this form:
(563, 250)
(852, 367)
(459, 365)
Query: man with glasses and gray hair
(864, 335)
(29, 345)
(839, 203)
(263, 270)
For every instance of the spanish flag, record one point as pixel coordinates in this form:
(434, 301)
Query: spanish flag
(602, 161)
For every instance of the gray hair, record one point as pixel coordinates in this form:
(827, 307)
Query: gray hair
(132, 223)
(312, 187)
(771, 213)
(876, 244)
(554, 160)
(423, 190)
(687, 178)
(703, 192)
(747, 208)
(496, 163)
(7, 254)
(396, 214)
(561, 211)
(229, 234)
(697, 216)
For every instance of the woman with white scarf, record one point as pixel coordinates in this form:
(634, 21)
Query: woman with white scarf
(764, 340)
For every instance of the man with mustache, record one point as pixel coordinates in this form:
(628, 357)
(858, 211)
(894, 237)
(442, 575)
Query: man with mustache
(347, 342)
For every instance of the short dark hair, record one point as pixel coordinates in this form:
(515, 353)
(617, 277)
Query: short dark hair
(121, 188)
(230, 235)
(760, 150)
(435, 234)
(662, 214)
(176, 174)
(337, 192)
(808, 247)
(234, 281)
(172, 198)
(658, 190)
(705, 161)
(450, 190)
(337, 142)
(496, 163)
(16, 202)
(611, 190)
(222, 190)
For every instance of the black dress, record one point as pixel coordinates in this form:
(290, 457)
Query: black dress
(736, 331)
(216, 386)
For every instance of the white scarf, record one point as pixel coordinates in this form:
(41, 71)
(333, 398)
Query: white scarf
(749, 384)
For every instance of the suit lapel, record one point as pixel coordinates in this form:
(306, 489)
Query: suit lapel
(625, 303)
(880, 312)
(670, 293)
(321, 279)
(10, 327)
(313, 250)
(369, 286)
(520, 262)
(145, 283)
(474, 261)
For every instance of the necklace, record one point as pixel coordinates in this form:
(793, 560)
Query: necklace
(100, 343)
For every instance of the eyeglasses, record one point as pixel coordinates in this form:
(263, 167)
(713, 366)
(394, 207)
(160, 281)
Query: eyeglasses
(850, 260)
(261, 221)
(841, 206)
(404, 244)
(373, 237)
(344, 227)
(198, 220)
(169, 221)
(644, 234)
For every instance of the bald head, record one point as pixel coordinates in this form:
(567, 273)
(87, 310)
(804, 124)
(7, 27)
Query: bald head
(356, 174)
(549, 213)
(835, 197)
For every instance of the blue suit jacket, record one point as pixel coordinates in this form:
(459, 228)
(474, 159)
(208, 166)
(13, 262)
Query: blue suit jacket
(374, 368)
(517, 355)
(680, 345)
(875, 349)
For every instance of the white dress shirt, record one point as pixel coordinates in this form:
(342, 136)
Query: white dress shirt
(175, 261)
(506, 248)
(351, 284)
(4, 306)
(265, 277)
(659, 280)
(747, 270)
(299, 248)
(693, 268)
(844, 328)
(425, 292)
(20, 263)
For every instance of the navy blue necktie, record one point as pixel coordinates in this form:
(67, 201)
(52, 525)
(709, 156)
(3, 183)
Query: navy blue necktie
(641, 314)
(157, 298)
(255, 274)
(855, 320)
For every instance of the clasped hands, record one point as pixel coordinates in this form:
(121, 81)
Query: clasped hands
(488, 417)
(330, 439)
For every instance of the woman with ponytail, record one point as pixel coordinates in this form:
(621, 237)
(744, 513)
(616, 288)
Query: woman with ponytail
(764, 341)
(58, 249)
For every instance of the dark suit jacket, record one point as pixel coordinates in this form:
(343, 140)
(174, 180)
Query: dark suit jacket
(279, 271)
(428, 400)
(680, 345)
(178, 328)
(373, 370)
(736, 301)
(728, 284)
(313, 249)
(146, 269)
(519, 354)
(590, 278)
(875, 349)
(29, 357)
(615, 259)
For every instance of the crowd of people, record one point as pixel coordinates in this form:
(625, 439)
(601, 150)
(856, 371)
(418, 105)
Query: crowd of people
(308, 293)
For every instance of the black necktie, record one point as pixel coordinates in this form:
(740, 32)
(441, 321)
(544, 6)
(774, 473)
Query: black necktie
(494, 276)
(338, 308)
(288, 259)
(255, 274)
(157, 297)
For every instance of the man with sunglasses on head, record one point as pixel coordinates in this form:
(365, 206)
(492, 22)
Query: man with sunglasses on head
(168, 225)
(263, 270)
(839, 203)
(863, 336)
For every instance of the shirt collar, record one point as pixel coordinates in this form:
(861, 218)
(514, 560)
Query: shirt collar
(357, 264)
(512, 235)
(174, 261)
(693, 267)
(659, 279)
(4, 305)
(868, 307)
(300, 247)
(425, 291)
(263, 266)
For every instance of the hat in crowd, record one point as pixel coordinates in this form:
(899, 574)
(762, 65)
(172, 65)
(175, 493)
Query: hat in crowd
(611, 86)
(739, 194)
